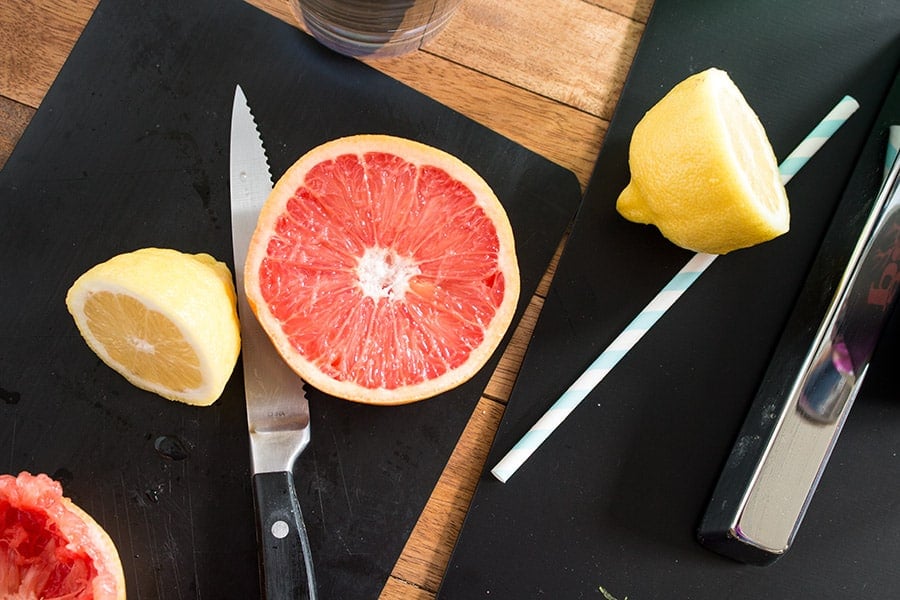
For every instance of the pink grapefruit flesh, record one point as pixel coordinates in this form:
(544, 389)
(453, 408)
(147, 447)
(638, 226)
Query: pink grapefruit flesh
(384, 270)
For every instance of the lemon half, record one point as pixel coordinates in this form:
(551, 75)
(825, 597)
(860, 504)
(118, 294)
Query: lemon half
(703, 170)
(165, 320)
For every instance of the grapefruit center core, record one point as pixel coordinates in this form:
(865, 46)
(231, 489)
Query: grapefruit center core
(383, 273)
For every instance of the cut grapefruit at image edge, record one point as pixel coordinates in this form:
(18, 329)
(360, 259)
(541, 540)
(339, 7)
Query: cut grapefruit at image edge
(383, 270)
(51, 548)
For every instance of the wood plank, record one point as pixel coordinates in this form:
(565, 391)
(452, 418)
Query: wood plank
(579, 54)
(277, 8)
(36, 40)
(500, 386)
(15, 117)
(503, 379)
(636, 10)
(564, 134)
(427, 552)
(397, 589)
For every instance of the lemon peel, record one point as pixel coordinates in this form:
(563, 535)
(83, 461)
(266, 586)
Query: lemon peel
(703, 170)
(165, 320)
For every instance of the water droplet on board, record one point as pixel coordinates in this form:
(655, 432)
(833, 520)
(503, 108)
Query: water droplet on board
(171, 447)
(152, 494)
(10, 397)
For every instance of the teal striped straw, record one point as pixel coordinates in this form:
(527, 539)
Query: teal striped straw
(642, 323)
(893, 146)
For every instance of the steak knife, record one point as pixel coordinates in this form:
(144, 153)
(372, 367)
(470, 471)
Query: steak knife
(277, 408)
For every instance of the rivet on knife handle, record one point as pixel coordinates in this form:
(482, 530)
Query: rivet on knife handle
(781, 452)
(282, 538)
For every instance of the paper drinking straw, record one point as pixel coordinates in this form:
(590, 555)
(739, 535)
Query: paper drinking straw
(817, 138)
(642, 323)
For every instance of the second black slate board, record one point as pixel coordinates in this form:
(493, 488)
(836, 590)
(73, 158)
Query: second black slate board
(610, 503)
(130, 149)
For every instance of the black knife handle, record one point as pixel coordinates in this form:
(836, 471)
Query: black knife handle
(286, 569)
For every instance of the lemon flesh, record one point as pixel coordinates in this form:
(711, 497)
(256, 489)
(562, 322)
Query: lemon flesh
(165, 320)
(703, 170)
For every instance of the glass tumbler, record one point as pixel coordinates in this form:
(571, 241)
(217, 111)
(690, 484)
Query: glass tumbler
(374, 28)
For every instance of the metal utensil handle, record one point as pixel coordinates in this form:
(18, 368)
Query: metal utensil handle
(282, 538)
(787, 438)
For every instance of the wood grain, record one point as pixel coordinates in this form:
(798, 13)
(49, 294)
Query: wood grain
(15, 117)
(36, 39)
(577, 54)
(564, 134)
(425, 557)
(495, 66)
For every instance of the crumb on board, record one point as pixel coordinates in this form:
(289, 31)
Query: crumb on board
(607, 595)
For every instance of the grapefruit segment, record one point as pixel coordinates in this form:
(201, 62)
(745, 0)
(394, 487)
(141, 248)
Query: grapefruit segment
(383, 270)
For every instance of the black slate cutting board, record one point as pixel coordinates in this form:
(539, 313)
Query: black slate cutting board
(611, 502)
(130, 149)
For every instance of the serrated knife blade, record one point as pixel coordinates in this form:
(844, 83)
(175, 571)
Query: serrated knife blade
(277, 408)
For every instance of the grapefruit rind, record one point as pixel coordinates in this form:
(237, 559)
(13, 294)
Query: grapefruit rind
(423, 156)
(39, 494)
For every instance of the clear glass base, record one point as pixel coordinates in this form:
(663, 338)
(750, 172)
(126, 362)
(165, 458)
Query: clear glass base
(374, 28)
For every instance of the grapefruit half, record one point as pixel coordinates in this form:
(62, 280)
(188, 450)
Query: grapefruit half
(384, 270)
(50, 548)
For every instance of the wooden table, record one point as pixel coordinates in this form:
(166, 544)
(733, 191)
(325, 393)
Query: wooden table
(544, 73)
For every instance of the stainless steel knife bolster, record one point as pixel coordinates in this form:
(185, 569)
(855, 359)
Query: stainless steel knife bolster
(806, 394)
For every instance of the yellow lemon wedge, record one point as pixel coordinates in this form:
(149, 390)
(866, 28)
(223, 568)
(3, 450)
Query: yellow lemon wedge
(703, 170)
(165, 320)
